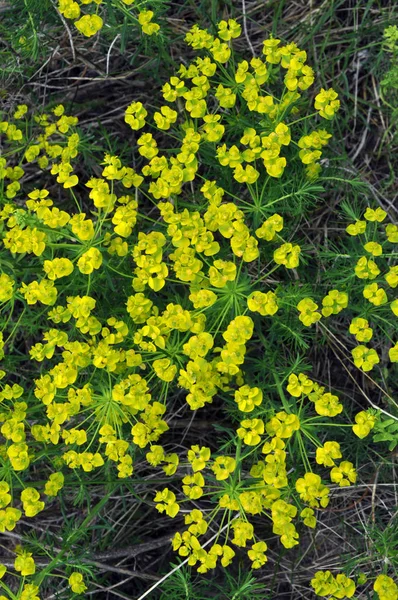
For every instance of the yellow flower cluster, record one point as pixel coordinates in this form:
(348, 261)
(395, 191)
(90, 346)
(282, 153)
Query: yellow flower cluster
(385, 587)
(326, 584)
(364, 423)
(91, 23)
(325, 404)
(76, 583)
(333, 303)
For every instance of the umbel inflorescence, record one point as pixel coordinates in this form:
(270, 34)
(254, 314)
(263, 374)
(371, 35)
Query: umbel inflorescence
(197, 250)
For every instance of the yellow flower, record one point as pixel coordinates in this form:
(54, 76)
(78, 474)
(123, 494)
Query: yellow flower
(274, 166)
(326, 103)
(308, 314)
(283, 425)
(392, 233)
(250, 431)
(365, 358)
(164, 369)
(239, 330)
(328, 405)
(366, 268)
(19, 457)
(300, 384)
(364, 423)
(89, 25)
(311, 146)
(223, 466)
(393, 353)
(198, 457)
(6, 287)
(76, 583)
(325, 584)
(70, 9)
(356, 228)
(198, 525)
(59, 110)
(31, 503)
(54, 484)
(312, 490)
(22, 109)
(5, 497)
(247, 398)
(374, 248)
(213, 130)
(24, 563)
(257, 555)
(334, 303)
(386, 588)
(309, 518)
(243, 531)
(81, 227)
(374, 294)
(198, 345)
(155, 456)
(9, 518)
(90, 261)
(166, 502)
(375, 215)
(271, 51)
(125, 467)
(326, 454)
(345, 586)
(165, 118)
(230, 157)
(344, 474)
(228, 30)
(220, 51)
(246, 175)
(57, 268)
(135, 115)
(264, 304)
(221, 272)
(360, 328)
(287, 255)
(139, 307)
(270, 227)
(251, 502)
(144, 19)
(193, 486)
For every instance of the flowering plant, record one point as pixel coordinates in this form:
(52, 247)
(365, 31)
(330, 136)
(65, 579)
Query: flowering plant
(180, 285)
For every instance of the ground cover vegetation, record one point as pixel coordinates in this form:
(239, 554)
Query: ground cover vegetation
(198, 300)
